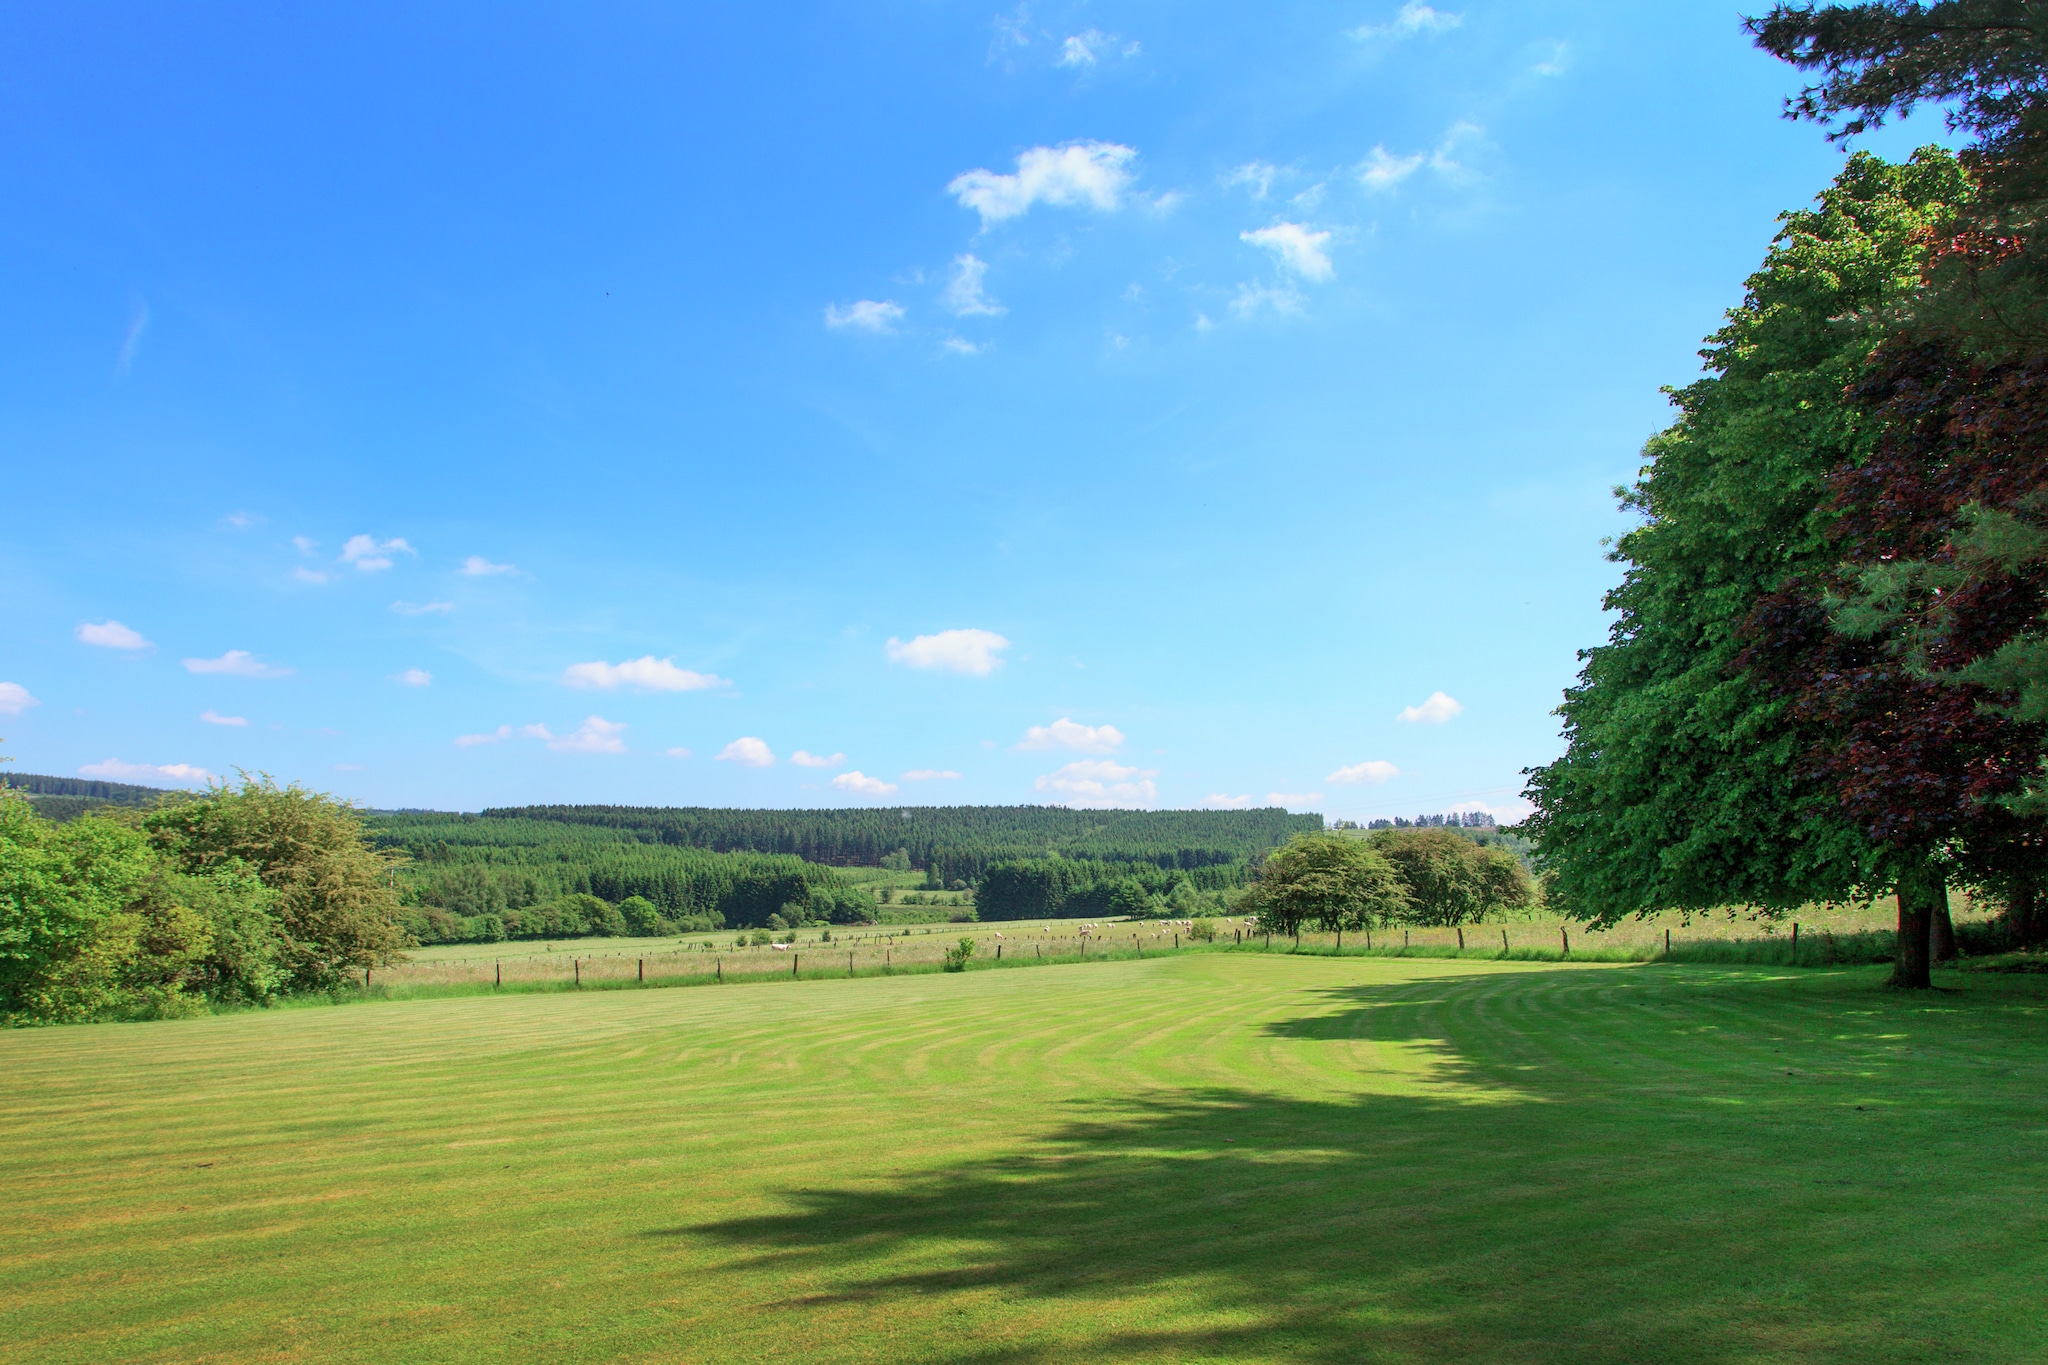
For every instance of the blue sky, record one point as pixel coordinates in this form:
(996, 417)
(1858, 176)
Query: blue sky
(1104, 403)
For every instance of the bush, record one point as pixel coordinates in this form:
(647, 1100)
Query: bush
(956, 958)
(642, 916)
(1202, 930)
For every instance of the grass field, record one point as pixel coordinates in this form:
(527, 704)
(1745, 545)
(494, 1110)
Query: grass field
(1216, 1156)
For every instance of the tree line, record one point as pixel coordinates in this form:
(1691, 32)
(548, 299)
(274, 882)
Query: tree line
(949, 843)
(1421, 876)
(1828, 673)
(1070, 888)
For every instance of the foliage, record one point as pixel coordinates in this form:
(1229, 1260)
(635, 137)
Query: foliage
(333, 899)
(1049, 888)
(1202, 930)
(1682, 784)
(957, 956)
(1451, 880)
(1327, 881)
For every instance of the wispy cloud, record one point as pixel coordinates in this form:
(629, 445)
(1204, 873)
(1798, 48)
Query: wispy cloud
(109, 635)
(1435, 709)
(1382, 170)
(954, 651)
(414, 677)
(930, 775)
(1255, 176)
(1374, 770)
(1412, 19)
(858, 781)
(306, 575)
(1223, 801)
(1251, 298)
(503, 732)
(805, 759)
(748, 752)
(370, 554)
(238, 663)
(215, 718)
(595, 735)
(476, 566)
(1100, 783)
(1299, 249)
(645, 674)
(1292, 799)
(1089, 47)
(1090, 173)
(966, 295)
(866, 315)
(131, 340)
(962, 346)
(15, 699)
(1069, 734)
(114, 770)
(422, 608)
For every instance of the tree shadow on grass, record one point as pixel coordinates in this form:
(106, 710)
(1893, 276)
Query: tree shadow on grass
(1588, 1169)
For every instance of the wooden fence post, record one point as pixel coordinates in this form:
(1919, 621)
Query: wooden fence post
(1368, 937)
(499, 967)
(1461, 938)
(792, 964)
(579, 971)
(643, 971)
(849, 965)
(1795, 943)
(1565, 934)
(999, 952)
(718, 969)
(1667, 943)
(366, 978)
(1503, 942)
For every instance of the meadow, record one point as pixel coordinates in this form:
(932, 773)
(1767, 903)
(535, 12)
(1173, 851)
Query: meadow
(1209, 1156)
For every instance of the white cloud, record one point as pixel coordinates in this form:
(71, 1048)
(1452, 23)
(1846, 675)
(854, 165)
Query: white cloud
(476, 566)
(1222, 801)
(1091, 173)
(1412, 18)
(422, 608)
(114, 770)
(677, 752)
(965, 294)
(1382, 170)
(306, 575)
(369, 554)
(962, 346)
(748, 752)
(1252, 297)
(1087, 48)
(803, 759)
(1098, 782)
(1437, 709)
(956, 651)
(1258, 176)
(1298, 249)
(1292, 799)
(1554, 64)
(930, 775)
(237, 663)
(1068, 734)
(858, 781)
(1374, 770)
(471, 741)
(415, 677)
(215, 718)
(306, 546)
(867, 315)
(647, 674)
(15, 699)
(595, 735)
(110, 635)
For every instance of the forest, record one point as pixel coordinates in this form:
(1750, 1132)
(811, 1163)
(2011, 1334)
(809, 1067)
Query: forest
(948, 843)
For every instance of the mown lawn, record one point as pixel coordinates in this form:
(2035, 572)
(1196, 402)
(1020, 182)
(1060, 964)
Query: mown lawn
(1215, 1157)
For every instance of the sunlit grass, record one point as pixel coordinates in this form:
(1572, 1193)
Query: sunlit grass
(1211, 1156)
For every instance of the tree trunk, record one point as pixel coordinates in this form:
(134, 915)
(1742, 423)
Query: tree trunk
(1944, 935)
(2022, 917)
(1921, 887)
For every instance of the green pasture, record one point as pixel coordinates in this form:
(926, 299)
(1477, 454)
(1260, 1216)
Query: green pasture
(1214, 1156)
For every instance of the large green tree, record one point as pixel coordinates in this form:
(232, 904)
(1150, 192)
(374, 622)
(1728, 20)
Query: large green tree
(1326, 881)
(1683, 785)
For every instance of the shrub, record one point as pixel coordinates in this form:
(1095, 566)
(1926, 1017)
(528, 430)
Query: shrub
(1202, 930)
(956, 957)
(642, 916)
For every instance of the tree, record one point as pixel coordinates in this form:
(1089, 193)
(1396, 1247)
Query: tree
(642, 916)
(333, 902)
(1682, 784)
(1328, 881)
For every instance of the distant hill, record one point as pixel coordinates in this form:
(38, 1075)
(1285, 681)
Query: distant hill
(66, 798)
(948, 842)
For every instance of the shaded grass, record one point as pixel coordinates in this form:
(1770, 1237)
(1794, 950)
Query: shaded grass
(1220, 1156)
